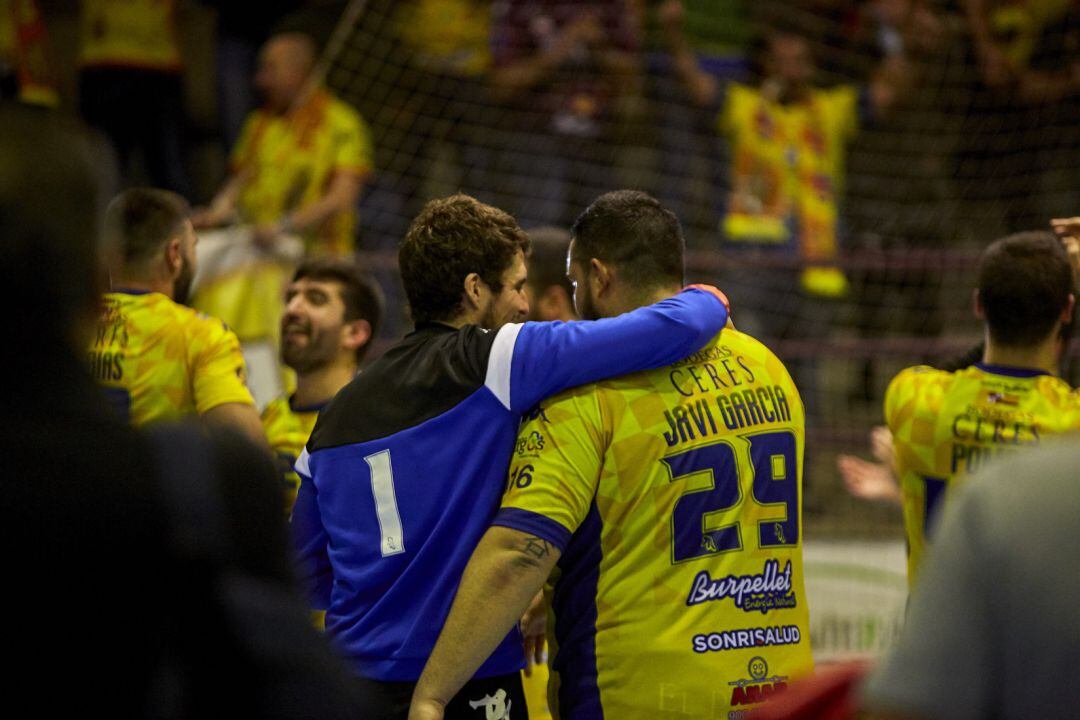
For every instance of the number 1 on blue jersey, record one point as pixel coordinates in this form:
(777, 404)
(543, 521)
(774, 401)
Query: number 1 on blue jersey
(392, 536)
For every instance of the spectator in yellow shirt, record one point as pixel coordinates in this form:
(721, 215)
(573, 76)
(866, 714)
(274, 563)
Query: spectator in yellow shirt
(301, 160)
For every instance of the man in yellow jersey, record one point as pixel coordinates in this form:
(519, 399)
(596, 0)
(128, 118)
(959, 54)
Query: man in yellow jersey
(157, 359)
(332, 312)
(301, 160)
(949, 425)
(664, 506)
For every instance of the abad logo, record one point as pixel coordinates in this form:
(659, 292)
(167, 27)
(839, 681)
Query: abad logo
(759, 687)
(495, 706)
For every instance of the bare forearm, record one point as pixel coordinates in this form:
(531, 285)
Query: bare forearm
(975, 10)
(343, 194)
(701, 86)
(524, 74)
(1043, 87)
(225, 200)
(506, 571)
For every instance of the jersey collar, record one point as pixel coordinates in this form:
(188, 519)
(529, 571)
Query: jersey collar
(1009, 371)
(432, 326)
(307, 409)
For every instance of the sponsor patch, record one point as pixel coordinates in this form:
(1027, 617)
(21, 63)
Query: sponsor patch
(746, 638)
(770, 589)
(759, 687)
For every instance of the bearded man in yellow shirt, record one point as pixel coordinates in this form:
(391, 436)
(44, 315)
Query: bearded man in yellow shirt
(156, 359)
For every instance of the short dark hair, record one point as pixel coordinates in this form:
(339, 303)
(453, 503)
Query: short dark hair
(633, 232)
(1024, 284)
(361, 294)
(547, 262)
(140, 220)
(450, 238)
(51, 197)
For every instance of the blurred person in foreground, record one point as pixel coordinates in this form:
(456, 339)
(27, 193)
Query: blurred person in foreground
(332, 313)
(992, 625)
(157, 359)
(301, 160)
(405, 467)
(99, 542)
(948, 426)
(664, 507)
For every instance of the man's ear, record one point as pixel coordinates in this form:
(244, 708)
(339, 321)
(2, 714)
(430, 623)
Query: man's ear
(600, 278)
(472, 291)
(976, 303)
(174, 257)
(357, 333)
(1067, 313)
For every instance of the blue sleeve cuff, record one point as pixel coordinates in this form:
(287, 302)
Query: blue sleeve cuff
(534, 524)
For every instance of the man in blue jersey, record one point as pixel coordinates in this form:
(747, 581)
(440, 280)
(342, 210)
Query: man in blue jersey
(405, 468)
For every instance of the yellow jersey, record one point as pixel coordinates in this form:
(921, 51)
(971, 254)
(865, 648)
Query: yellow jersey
(787, 172)
(949, 425)
(449, 36)
(159, 360)
(286, 162)
(288, 428)
(130, 34)
(675, 497)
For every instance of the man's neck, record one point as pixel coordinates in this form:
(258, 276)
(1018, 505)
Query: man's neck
(460, 321)
(144, 285)
(319, 386)
(632, 301)
(1043, 356)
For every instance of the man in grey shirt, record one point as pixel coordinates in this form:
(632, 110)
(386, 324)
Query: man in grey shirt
(993, 629)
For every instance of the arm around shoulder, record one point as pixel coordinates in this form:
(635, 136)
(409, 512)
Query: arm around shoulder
(532, 361)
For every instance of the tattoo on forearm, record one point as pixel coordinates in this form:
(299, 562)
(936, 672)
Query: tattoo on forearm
(536, 548)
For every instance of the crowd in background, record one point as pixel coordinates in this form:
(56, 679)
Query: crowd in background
(830, 160)
(540, 104)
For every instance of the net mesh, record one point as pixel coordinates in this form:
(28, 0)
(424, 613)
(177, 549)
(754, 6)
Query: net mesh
(974, 143)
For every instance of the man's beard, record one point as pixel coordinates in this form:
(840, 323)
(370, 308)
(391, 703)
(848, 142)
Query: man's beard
(588, 310)
(488, 320)
(182, 283)
(310, 357)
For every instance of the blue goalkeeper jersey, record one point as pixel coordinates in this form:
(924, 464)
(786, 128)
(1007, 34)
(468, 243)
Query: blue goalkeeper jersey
(406, 467)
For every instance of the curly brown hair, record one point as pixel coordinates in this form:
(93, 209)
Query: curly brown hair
(450, 238)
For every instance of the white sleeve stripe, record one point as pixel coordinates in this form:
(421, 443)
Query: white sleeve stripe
(499, 362)
(301, 466)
